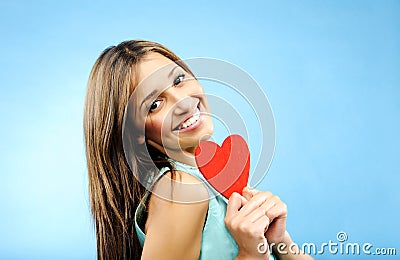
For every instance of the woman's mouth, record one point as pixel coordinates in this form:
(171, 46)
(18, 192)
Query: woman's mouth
(192, 122)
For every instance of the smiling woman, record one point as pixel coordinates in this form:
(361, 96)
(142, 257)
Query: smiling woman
(145, 114)
(176, 113)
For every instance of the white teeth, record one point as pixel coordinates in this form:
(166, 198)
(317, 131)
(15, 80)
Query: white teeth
(193, 119)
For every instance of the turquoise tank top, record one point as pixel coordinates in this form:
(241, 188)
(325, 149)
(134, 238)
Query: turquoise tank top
(217, 242)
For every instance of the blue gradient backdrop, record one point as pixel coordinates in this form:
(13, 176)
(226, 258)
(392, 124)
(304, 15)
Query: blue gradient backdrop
(329, 68)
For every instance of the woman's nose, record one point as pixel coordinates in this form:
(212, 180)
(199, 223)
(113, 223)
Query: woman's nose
(184, 105)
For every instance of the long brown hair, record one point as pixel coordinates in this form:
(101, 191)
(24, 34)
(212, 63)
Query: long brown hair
(114, 189)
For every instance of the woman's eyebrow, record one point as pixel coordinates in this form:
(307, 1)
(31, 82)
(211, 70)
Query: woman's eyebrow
(172, 71)
(154, 92)
(149, 96)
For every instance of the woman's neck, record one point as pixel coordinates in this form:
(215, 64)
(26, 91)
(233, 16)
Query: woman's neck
(183, 157)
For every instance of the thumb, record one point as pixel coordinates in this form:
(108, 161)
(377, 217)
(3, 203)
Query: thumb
(236, 201)
(249, 192)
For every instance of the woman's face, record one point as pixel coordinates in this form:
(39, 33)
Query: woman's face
(171, 105)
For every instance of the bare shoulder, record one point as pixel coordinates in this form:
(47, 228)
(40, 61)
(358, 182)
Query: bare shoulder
(177, 212)
(178, 195)
(179, 187)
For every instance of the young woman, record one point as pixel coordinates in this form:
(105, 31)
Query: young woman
(145, 113)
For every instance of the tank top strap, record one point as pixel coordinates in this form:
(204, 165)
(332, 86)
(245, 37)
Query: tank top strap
(139, 212)
(141, 207)
(192, 170)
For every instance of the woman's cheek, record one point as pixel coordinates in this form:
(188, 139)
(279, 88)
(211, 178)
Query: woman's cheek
(153, 129)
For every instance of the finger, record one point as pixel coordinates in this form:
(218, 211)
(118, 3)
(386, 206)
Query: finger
(248, 192)
(270, 202)
(236, 201)
(262, 224)
(256, 215)
(278, 211)
(255, 202)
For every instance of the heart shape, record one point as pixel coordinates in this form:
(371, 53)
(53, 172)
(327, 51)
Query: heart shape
(225, 167)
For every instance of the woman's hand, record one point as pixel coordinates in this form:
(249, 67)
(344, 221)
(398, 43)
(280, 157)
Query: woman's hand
(276, 232)
(276, 211)
(247, 221)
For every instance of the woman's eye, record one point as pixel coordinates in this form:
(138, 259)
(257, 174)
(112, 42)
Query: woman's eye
(179, 79)
(154, 105)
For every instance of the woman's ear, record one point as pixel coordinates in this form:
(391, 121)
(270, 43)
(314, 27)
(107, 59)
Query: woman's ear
(141, 139)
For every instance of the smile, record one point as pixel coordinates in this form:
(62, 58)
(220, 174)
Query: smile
(192, 122)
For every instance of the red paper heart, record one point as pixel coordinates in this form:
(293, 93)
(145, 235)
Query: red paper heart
(225, 167)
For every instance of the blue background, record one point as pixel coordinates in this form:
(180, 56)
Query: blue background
(329, 68)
